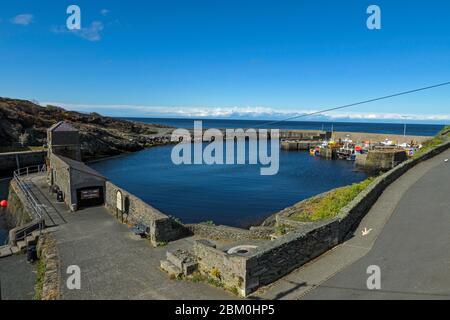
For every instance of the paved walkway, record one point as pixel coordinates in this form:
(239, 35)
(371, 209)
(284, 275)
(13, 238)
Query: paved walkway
(116, 264)
(52, 210)
(409, 241)
(17, 278)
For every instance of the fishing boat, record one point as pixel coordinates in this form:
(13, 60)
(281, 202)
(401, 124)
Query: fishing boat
(347, 150)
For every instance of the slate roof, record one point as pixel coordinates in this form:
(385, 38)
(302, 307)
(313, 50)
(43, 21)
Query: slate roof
(79, 166)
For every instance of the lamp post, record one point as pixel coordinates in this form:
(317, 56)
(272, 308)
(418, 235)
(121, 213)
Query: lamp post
(404, 125)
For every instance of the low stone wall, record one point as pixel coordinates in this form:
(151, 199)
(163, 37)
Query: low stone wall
(11, 161)
(229, 233)
(48, 253)
(274, 259)
(277, 258)
(162, 227)
(232, 269)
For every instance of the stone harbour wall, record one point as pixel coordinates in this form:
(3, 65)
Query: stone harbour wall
(232, 269)
(381, 159)
(277, 258)
(19, 212)
(162, 228)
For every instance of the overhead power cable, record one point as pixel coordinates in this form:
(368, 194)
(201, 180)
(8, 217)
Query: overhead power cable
(358, 103)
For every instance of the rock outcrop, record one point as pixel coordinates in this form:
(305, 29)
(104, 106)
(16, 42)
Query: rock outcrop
(100, 136)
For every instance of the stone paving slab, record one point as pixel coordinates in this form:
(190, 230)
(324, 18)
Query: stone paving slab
(17, 278)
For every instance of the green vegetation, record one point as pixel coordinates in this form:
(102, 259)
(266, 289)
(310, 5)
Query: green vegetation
(234, 290)
(197, 277)
(432, 143)
(39, 280)
(216, 273)
(208, 223)
(162, 243)
(280, 229)
(213, 279)
(330, 204)
(215, 282)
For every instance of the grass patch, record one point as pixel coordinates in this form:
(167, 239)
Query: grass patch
(39, 280)
(280, 229)
(432, 143)
(330, 205)
(215, 282)
(212, 280)
(163, 243)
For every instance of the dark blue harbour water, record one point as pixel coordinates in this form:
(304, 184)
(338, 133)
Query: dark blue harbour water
(235, 195)
(386, 128)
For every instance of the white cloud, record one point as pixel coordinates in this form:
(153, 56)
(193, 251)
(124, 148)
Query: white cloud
(23, 19)
(246, 113)
(104, 12)
(91, 33)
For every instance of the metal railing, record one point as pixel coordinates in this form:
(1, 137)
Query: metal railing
(33, 202)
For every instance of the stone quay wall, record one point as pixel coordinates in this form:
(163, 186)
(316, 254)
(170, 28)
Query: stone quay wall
(232, 268)
(11, 161)
(381, 159)
(162, 228)
(274, 259)
(19, 211)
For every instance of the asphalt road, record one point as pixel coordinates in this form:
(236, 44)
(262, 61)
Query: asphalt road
(412, 250)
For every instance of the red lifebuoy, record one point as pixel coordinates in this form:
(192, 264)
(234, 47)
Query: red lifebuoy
(4, 204)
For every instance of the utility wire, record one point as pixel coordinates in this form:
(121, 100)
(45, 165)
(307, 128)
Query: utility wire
(358, 103)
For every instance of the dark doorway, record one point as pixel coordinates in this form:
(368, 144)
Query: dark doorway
(90, 197)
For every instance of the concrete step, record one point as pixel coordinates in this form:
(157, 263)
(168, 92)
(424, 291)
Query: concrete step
(21, 245)
(183, 260)
(5, 251)
(173, 258)
(170, 268)
(15, 250)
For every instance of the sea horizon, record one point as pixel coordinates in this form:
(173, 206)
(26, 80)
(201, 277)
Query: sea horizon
(414, 129)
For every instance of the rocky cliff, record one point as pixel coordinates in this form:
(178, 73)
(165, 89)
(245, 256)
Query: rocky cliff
(25, 121)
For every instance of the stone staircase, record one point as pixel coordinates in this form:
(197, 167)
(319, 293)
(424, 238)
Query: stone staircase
(9, 250)
(179, 262)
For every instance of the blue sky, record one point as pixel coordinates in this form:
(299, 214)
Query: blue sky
(238, 59)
